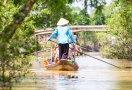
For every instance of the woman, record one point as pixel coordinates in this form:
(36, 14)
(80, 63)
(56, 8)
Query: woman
(64, 33)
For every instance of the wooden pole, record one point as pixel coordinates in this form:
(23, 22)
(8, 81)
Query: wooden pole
(99, 59)
(51, 56)
(74, 53)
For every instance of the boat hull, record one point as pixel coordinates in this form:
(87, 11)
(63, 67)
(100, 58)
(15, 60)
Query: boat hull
(63, 65)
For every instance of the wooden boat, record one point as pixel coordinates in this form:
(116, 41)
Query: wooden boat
(63, 65)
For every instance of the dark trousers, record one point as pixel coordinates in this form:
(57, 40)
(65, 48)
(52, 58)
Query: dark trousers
(63, 51)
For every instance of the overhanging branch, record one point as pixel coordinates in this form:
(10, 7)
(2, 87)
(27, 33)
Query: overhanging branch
(19, 17)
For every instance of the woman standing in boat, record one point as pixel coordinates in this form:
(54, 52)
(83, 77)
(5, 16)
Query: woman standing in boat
(64, 33)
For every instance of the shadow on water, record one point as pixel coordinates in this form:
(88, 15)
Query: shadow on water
(91, 75)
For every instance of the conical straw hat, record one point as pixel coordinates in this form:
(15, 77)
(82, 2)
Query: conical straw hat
(62, 21)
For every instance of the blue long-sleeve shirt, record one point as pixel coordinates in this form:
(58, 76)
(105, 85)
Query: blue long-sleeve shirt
(63, 33)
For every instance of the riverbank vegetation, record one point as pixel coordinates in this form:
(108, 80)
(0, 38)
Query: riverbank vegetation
(117, 16)
(120, 26)
(19, 19)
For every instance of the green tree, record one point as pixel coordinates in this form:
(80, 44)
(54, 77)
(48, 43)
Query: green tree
(97, 19)
(16, 32)
(120, 25)
(16, 37)
(80, 18)
(50, 12)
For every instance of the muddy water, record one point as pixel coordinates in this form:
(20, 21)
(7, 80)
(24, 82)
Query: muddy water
(92, 75)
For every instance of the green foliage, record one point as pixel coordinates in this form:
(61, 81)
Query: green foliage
(121, 49)
(106, 46)
(90, 39)
(121, 20)
(50, 12)
(98, 5)
(46, 14)
(6, 15)
(81, 18)
(120, 25)
(18, 2)
(98, 19)
(14, 64)
(83, 37)
(125, 52)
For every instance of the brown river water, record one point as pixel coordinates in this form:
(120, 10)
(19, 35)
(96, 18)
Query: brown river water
(91, 75)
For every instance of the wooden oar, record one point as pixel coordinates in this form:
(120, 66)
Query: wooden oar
(99, 59)
(94, 57)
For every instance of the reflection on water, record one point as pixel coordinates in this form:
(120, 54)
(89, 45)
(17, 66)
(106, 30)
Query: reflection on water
(92, 75)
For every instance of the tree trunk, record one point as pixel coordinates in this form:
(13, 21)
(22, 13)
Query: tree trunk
(5, 1)
(19, 17)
